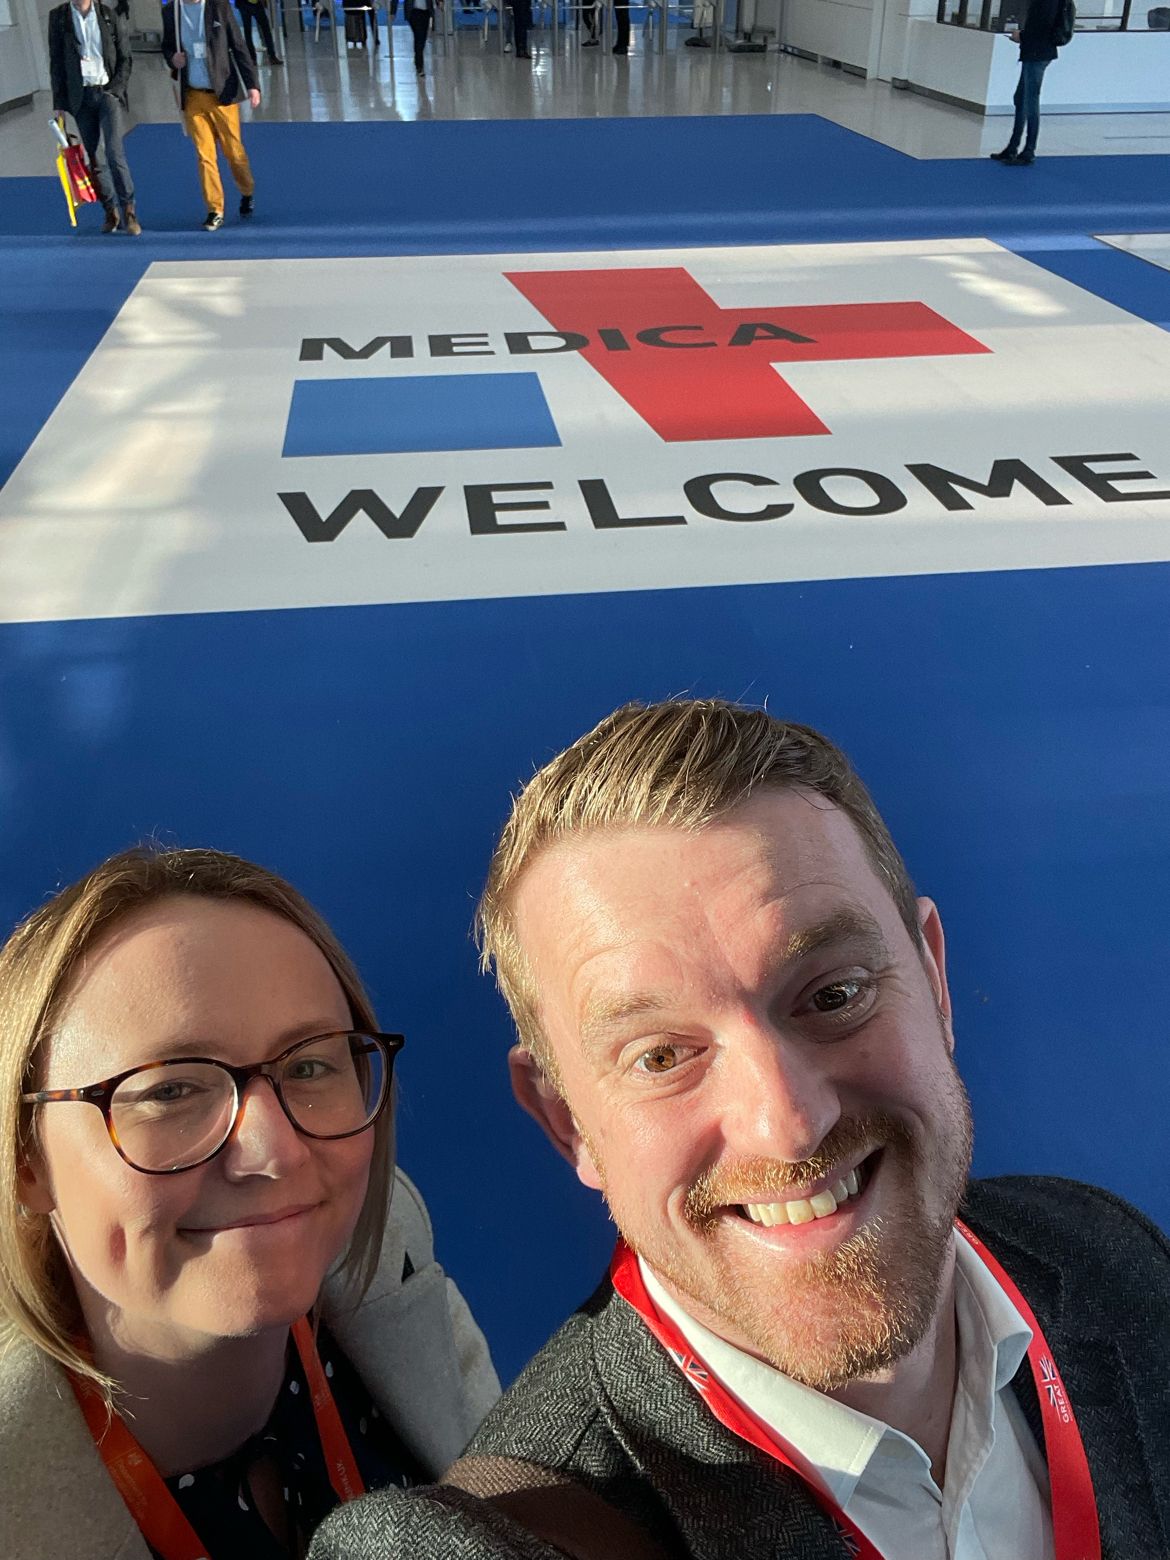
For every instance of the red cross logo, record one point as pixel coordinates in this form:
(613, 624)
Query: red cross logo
(695, 371)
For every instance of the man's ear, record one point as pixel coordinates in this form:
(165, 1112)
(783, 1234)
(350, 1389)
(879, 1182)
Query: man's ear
(934, 958)
(547, 1107)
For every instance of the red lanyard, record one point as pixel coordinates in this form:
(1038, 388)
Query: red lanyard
(1076, 1535)
(159, 1517)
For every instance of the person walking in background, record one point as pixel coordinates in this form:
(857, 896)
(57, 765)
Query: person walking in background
(1045, 29)
(89, 68)
(420, 14)
(256, 11)
(521, 22)
(202, 42)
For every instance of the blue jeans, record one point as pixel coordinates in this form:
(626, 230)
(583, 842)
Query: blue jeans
(1027, 101)
(99, 124)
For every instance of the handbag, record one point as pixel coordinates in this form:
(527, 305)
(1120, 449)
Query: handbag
(73, 170)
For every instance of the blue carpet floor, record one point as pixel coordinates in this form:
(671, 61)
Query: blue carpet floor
(1015, 726)
(392, 188)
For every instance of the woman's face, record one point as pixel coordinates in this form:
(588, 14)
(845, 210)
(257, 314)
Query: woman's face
(156, 1257)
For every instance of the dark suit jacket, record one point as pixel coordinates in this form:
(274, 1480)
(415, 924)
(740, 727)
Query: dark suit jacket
(65, 57)
(1036, 33)
(603, 1402)
(229, 64)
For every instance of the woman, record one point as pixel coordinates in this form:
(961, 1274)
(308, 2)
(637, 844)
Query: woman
(211, 1332)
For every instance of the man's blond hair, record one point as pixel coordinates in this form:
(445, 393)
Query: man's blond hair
(38, 967)
(679, 764)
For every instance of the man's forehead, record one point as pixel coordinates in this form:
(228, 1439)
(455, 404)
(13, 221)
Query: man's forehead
(599, 910)
(774, 842)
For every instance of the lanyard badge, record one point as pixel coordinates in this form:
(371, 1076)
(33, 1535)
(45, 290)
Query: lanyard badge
(1076, 1532)
(159, 1516)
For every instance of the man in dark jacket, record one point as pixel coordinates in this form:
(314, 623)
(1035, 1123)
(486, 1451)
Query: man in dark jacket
(1038, 47)
(202, 42)
(817, 1338)
(89, 67)
(255, 13)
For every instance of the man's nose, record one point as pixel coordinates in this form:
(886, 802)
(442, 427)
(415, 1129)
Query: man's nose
(781, 1098)
(263, 1141)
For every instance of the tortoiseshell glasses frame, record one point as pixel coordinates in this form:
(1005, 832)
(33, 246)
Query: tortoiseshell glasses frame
(101, 1094)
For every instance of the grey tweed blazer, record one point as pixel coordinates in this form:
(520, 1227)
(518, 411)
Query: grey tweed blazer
(603, 1403)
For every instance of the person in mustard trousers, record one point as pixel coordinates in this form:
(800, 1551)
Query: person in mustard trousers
(204, 46)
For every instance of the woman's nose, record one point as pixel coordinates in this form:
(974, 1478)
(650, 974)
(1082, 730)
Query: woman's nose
(263, 1141)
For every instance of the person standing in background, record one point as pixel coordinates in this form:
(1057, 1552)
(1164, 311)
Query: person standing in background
(521, 22)
(202, 42)
(89, 68)
(365, 12)
(257, 11)
(1038, 45)
(621, 19)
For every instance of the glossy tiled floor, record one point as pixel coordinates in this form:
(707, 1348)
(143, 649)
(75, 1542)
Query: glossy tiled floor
(468, 79)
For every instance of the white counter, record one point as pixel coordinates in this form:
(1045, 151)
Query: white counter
(1098, 73)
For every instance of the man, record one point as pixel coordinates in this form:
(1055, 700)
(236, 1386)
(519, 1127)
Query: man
(421, 15)
(521, 22)
(255, 12)
(201, 39)
(734, 1021)
(621, 17)
(1038, 41)
(89, 67)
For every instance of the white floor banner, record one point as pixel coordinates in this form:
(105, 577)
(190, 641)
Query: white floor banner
(289, 433)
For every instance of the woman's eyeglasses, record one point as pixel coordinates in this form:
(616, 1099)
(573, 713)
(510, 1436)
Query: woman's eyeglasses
(174, 1115)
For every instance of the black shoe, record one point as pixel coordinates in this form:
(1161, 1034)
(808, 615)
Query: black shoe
(213, 220)
(275, 59)
(617, 49)
(1006, 156)
(247, 205)
(1024, 160)
(523, 55)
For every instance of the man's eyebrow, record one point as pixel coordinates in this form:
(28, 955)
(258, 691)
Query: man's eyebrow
(603, 1014)
(853, 928)
(847, 925)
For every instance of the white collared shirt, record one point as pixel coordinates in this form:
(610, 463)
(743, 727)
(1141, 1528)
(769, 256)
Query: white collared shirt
(89, 42)
(995, 1502)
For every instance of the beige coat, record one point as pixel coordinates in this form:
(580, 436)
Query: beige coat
(414, 1343)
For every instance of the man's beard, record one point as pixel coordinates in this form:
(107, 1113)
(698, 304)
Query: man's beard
(841, 1315)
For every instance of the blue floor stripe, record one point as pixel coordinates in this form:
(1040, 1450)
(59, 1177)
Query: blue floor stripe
(1127, 280)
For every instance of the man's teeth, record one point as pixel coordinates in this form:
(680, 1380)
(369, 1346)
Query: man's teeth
(805, 1209)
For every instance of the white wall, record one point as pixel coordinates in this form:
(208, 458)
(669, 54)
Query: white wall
(24, 58)
(835, 29)
(955, 61)
(895, 35)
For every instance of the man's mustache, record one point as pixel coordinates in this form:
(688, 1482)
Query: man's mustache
(761, 1180)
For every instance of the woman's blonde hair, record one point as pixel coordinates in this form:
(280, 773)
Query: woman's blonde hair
(37, 968)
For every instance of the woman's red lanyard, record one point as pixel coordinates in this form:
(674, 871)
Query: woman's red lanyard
(1076, 1535)
(158, 1514)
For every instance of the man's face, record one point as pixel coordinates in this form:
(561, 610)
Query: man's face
(744, 1031)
